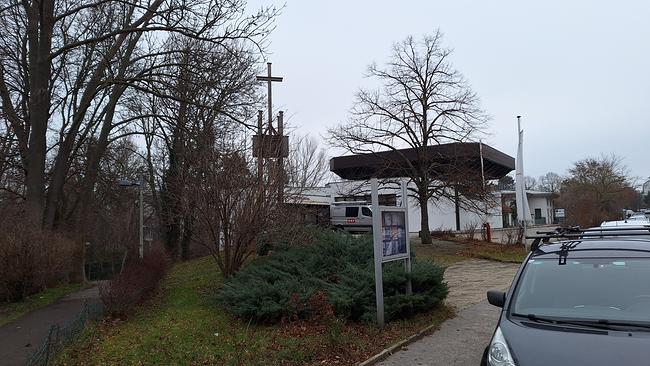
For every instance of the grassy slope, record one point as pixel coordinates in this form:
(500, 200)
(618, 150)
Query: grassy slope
(450, 250)
(12, 311)
(445, 258)
(182, 326)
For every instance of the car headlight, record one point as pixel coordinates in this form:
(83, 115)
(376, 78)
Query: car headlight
(499, 354)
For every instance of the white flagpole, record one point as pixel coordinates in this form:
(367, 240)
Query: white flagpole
(523, 212)
(523, 183)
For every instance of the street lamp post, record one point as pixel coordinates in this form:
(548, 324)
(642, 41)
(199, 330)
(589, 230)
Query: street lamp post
(140, 185)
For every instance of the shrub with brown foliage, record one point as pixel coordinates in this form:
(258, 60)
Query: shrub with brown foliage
(471, 229)
(596, 189)
(31, 259)
(135, 283)
(443, 234)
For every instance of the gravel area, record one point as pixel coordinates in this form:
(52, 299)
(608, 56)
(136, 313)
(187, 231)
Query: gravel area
(469, 280)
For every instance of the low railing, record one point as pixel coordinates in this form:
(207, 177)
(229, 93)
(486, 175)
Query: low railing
(61, 335)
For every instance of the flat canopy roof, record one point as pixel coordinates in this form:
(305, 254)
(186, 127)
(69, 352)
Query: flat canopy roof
(446, 160)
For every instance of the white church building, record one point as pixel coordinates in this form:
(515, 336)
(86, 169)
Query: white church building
(442, 212)
(470, 161)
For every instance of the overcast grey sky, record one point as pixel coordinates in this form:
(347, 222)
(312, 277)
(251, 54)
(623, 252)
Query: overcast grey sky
(577, 71)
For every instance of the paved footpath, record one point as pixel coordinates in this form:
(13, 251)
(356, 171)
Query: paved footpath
(460, 341)
(19, 339)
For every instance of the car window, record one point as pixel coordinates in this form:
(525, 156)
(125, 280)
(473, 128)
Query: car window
(351, 211)
(593, 288)
(366, 211)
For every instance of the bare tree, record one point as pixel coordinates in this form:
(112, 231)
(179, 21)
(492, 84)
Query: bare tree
(69, 72)
(530, 183)
(423, 101)
(550, 182)
(210, 96)
(307, 165)
(232, 208)
(506, 183)
(65, 64)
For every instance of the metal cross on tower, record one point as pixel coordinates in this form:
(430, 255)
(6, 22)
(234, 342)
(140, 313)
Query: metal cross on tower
(271, 143)
(270, 79)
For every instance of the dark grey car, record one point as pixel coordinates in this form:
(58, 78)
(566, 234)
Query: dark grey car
(579, 302)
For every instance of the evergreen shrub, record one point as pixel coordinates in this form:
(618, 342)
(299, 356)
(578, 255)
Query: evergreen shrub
(336, 267)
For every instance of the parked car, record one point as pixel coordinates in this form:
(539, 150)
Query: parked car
(351, 216)
(632, 221)
(584, 300)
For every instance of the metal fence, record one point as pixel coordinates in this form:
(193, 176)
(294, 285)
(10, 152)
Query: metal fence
(101, 271)
(61, 335)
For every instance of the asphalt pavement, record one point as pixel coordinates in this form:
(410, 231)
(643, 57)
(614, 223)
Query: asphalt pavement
(19, 339)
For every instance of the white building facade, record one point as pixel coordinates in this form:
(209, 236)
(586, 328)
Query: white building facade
(542, 210)
(442, 212)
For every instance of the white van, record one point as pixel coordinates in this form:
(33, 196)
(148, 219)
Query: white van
(351, 216)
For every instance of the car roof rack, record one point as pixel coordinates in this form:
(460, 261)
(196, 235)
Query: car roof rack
(564, 250)
(575, 232)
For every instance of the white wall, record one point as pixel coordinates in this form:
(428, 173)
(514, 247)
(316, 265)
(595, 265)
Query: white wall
(539, 200)
(442, 215)
(441, 212)
(544, 203)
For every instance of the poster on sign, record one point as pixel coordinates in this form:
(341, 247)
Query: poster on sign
(393, 235)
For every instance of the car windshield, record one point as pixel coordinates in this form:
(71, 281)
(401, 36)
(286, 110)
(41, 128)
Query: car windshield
(585, 289)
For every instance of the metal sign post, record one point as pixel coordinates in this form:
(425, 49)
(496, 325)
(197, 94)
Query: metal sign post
(376, 235)
(405, 206)
(391, 240)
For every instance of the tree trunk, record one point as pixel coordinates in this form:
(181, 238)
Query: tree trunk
(170, 196)
(425, 232)
(96, 150)
(39, 32)
(174, 192)
(187, 237)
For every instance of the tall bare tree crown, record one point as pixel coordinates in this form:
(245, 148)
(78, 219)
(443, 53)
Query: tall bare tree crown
(422, 101)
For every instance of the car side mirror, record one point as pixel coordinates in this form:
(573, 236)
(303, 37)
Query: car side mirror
(496, 298)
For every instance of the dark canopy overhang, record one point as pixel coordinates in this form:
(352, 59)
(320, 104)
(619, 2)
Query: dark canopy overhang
(443, 162)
